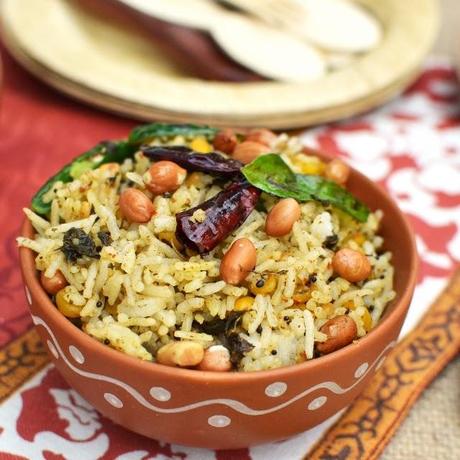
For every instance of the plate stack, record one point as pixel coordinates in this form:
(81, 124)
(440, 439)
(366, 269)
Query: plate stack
(201, 61)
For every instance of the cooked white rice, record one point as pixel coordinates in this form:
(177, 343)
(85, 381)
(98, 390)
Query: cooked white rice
(142, 293)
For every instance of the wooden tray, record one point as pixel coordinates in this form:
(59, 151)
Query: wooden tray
(96, 62)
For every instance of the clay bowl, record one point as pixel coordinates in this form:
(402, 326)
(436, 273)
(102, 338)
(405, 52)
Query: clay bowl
(227, 410)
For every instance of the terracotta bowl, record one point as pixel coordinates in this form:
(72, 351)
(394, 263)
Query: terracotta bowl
(227, 410)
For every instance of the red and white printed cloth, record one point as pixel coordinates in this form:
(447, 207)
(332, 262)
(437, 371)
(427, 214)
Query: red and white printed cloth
(411, 146)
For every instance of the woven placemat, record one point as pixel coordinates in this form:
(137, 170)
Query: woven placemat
(432, 428)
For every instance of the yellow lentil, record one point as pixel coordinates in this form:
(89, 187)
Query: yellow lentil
(244, 303)
(193, 179)
(201, 145)
(359, 238)
(367, 320)
(64, 305)
(350, 305)
(263, 286)
(171, 238)
(302, 297)
(310, 167)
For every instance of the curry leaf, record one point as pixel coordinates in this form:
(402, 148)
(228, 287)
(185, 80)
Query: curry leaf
(104, 152)
(77, 243)
(117, 152)
(272, 175)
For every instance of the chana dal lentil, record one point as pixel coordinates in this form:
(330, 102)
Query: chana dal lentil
(268, 295)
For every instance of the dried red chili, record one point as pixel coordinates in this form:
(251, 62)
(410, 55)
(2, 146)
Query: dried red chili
(224, 213)
(211, 163)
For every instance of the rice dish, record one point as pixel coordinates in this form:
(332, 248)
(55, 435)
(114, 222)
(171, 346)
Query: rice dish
(139, 288)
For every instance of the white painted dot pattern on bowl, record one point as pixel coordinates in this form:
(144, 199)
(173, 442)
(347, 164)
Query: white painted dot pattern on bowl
(113, 400)
(317, 403)
(76, 354)
(52, 348)
(160, 394)
(276, 389)
(28, 296)
(219, 421)
(361, 370)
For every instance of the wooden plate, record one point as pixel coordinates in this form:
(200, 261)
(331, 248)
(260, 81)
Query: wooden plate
(96, 62)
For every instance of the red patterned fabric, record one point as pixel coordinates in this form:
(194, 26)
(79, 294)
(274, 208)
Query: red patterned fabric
(40, 131)
(411, 146)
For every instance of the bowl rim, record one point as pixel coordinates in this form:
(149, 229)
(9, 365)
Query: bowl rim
(27, 264)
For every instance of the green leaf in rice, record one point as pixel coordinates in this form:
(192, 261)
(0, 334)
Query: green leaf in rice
(80, 167)
(104, 152)
(272, 175)
(146, 133)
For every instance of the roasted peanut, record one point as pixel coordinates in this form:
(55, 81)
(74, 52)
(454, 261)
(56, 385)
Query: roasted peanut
(351, 265)
(282, 217)
(238, 261)
(65, 306)
(262, 136)
(340, 332)
(310, 151)
(248, 151)
(225, 141)
(182, 354)
(217, 359)
(165, 176)
(337, 171)
(54, 284)
(135, 206)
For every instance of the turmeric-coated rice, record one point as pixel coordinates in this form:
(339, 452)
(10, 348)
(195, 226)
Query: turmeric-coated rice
(144, 289)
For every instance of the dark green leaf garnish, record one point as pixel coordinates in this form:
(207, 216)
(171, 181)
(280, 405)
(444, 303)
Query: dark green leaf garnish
(117, 152)
(226, 331)
(272, 175)
(260, 206)
(219, 326)
(145, 133)
(237, 346)
(104, 152)
(105, 238)
(331, 241)
(77, 244)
